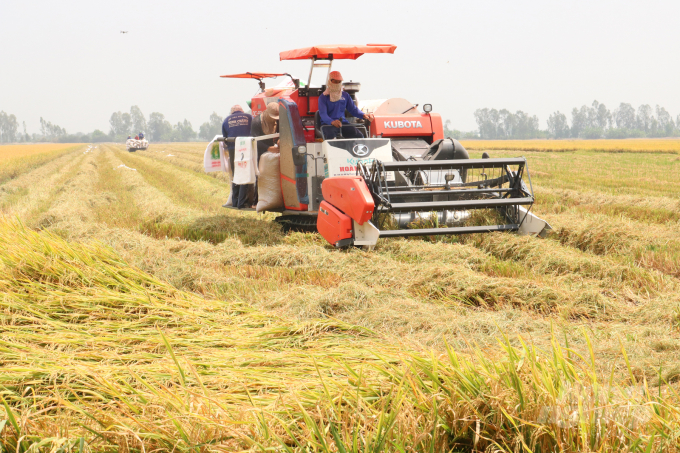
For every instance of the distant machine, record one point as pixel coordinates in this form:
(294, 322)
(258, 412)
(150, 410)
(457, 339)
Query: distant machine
(133, 144)
(123, 31)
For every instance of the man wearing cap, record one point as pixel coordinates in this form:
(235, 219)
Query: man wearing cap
(237, 124)
(332, 105)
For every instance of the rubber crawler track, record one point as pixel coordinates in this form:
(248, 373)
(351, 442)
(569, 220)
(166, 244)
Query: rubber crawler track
(303, 223)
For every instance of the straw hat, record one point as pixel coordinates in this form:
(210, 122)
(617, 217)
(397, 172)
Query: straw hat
(272, 110)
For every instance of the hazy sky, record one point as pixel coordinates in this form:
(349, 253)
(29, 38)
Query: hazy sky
(68, 62)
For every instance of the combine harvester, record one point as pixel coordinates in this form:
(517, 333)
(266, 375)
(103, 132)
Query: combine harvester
(133, 145)
(404, 178)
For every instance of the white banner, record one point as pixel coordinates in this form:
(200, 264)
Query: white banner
(213, 157)
(245, 161)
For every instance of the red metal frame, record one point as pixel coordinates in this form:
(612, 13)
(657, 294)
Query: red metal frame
(332, 224)
(335, 51)
(350, 195)
(432, 128)
(253, 75)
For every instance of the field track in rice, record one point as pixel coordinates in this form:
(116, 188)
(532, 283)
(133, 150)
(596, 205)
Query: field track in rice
(139, 315)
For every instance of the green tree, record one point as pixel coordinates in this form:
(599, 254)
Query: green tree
(185, 130)
(666, 127)
(487, 122)
(116, 124)
(504, 124)
(98, 136)
(121, 125)
(211, 128)
(624, 116)
(579, 121)
(8, 127)
(126, 124)
(592, 133)
(448, 132)
(507, 122)
(643, 118)
(603, 117)
(159, 128)
(558, 126)
(50, 131)
(138, 120)
(527, 126)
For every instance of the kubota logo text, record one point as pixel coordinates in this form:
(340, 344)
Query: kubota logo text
(402, 124)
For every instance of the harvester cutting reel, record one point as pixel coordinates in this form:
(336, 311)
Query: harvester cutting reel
(427, 198)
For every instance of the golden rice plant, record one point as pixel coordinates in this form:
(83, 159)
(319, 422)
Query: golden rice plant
(30, 149)
(19, 159)
(100, 356)
(671, 145)
(100, 352)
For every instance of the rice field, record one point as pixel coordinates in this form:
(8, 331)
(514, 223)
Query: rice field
(642, 145)
(18, 159)
(138, 315)
(14, 151)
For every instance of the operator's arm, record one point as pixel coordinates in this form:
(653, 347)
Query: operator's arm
(323, 110)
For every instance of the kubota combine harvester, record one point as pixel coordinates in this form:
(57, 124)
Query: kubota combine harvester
(404, 178)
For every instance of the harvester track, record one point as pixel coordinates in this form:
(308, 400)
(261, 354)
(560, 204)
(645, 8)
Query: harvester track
(302, 223)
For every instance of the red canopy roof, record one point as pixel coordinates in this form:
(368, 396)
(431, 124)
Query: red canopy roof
(339, 51)
(253, 75)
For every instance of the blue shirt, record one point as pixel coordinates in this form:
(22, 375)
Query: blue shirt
(236, 125)
(331, 111)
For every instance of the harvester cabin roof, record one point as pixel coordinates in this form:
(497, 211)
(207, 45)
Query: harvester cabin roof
(253, 75)
(337, 51)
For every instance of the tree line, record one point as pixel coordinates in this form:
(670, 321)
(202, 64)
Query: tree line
(158, 129)
(121, 125)
(596, 121)
(593, 122)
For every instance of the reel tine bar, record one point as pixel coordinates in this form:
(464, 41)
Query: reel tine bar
(463, 195)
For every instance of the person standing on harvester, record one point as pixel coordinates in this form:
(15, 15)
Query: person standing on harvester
(332, 105)
(266, 123)
(237, 124)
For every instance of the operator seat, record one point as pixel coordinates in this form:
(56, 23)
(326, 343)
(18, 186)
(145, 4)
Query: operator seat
(319, 134)
(317, 125)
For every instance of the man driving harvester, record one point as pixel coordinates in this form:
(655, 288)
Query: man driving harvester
(332, 105)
